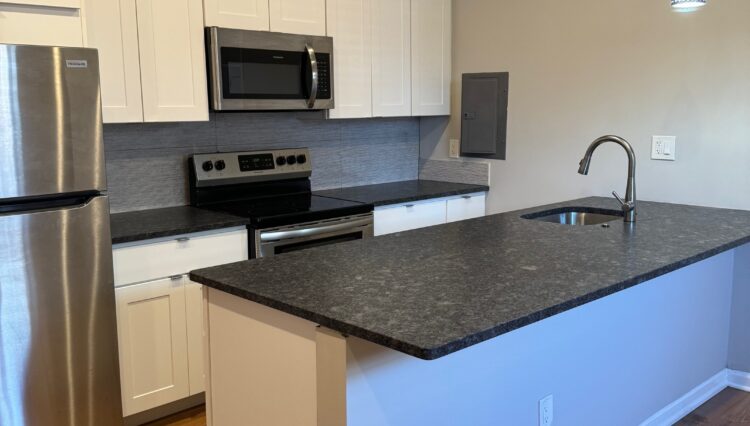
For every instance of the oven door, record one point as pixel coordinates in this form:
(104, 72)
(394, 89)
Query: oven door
(259, 70)
(273, 241)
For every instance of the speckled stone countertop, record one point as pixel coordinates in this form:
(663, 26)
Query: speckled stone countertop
(156, 223)
(434, 291)
(401, 192)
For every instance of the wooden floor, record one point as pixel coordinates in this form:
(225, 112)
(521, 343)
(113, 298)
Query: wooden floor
(192, 417)
(729, 407)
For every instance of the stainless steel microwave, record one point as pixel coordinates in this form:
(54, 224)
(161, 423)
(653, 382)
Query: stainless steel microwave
(261, 70)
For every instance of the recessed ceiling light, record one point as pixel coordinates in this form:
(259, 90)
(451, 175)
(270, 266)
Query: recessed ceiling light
(688, 4)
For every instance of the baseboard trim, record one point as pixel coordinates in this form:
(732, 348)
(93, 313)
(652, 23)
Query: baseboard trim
(738, 380)
(678, 409)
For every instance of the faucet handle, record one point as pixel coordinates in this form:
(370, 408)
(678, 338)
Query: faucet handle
(626, 206)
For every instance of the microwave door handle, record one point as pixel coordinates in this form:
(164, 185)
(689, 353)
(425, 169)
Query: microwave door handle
(314, 72)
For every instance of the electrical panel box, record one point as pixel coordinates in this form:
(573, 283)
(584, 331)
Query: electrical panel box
(484, 114)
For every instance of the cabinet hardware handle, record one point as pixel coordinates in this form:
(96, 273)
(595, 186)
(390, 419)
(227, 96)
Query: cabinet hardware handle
(466, 197)
(183, 239)
(175, 277)
(408, 206)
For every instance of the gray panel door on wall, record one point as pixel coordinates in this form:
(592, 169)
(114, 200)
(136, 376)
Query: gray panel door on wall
(484, 111)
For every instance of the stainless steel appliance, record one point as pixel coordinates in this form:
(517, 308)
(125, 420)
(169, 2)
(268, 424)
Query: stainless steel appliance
(261, 70)
(58, 335)
(272, 188)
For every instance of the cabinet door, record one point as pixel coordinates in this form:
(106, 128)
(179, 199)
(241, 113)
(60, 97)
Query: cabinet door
(151, 329)
(431, 57)
(111, 27)
(349, 24)
(465, 207)
(46, 23)
(238, 14)
(391, 59)
(195, 335)
(403, 217)
(298, 16)
(173, 68)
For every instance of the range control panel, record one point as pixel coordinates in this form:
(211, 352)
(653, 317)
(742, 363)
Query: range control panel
(226, 168)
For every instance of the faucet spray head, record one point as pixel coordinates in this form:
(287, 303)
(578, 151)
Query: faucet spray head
(583, 167)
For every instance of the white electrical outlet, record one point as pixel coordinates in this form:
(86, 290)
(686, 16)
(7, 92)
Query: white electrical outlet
(546, 415)
(455, 148)
(663, 148)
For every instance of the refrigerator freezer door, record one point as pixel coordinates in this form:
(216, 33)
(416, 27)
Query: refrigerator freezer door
(58, 333)
(50, 121)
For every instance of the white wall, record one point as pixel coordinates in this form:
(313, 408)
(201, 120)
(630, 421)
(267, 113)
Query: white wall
(581, 69)
(614, 361)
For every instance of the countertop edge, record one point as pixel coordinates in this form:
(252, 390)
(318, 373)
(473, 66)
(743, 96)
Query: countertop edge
(463, 343)
(385, 201)
(443, 194)
(178, 231)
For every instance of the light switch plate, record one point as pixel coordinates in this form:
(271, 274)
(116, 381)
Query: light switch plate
(663, 148)
(455, 148)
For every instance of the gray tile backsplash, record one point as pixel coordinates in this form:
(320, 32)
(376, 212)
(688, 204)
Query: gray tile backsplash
(147, 163)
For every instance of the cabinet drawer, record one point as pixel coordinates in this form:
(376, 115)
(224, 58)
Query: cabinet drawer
(182, 254)
(402, 217)
(465, 207)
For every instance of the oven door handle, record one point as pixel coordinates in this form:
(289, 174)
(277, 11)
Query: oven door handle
(318, 230)
(314, 76)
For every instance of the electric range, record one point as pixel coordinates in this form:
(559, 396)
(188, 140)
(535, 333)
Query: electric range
(272, 189)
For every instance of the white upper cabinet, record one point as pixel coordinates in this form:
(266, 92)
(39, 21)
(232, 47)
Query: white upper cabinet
(298, 16)
(238, 14)
(111, 27)
(349, 24)
(431, 57)
(391, 60)
(173, 66)
(41, 22)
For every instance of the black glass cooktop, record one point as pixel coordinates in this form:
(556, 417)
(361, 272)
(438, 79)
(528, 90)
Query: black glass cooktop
(291, 209)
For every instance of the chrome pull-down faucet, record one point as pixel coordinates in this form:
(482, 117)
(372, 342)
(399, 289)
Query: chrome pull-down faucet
(629, 204)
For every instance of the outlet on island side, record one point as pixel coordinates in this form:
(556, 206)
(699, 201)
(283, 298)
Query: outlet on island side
(455, 148)
(545, 411)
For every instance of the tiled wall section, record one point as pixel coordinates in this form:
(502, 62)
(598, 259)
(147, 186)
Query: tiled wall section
(471, 172)
(147, 163)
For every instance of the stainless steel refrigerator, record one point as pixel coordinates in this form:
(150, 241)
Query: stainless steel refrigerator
(58, 336)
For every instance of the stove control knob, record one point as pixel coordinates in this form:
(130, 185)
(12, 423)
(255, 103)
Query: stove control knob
(208, 166)
(220, 165)
(291, 159)
(301, 159)
(280, 160)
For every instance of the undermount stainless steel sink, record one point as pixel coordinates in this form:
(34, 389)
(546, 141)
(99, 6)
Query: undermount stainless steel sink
(575, 216)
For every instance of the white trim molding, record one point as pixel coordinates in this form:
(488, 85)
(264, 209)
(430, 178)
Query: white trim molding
(680, 408)
(738, 380)
(684, 405)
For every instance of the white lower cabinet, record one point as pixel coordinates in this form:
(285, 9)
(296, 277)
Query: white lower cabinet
(465, 207)
(151, 329)
(403, 217)
(160, 324)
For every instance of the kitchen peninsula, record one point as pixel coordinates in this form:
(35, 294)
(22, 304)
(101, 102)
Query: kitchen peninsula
(469, 321)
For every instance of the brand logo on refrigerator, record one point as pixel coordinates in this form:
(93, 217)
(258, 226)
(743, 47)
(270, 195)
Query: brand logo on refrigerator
(77, 63)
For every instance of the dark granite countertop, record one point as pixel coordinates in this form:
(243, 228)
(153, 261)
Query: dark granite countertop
(156, 223)
(433, 291)
(401, 192)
